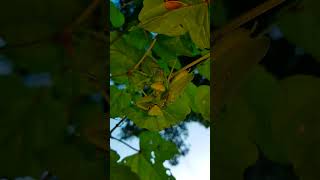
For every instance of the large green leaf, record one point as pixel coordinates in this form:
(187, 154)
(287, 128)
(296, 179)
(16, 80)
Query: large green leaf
(119, 171)
(138, 38)
(119, 102)
(233, 151)
(202, 101)
(176, 46)
(296, 124)
(172, 114)
(204, 69)
(191, 90)
(123, 57)
(116, 17)
(233, 58)
(36, 20)
(194, 19)
(148, 163)
(262, 94)
(301, 26)
(31, 130)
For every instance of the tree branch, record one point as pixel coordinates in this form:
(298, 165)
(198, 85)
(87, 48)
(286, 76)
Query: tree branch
(145, 54)
(124, 143)
(118, 124)
(205, 57)
(248, 16)
(84, 15)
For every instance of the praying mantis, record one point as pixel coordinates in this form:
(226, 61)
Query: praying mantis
(164, 92)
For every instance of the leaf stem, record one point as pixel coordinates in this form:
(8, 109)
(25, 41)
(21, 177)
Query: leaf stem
(142, 73)
(145, 54)
(248, 16)
(124, 143)
(205, 57)
(118, 124)
(84, 15)
(169, 77)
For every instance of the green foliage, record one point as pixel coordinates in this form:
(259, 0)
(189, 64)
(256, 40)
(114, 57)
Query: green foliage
(229, 69)
(54, 127)
(296, 126)
(254, 110)
(283, 123)
(155, 17)
(116, 17)
(202, 101)
(28, 21)
(141, 163)
(172, 114)
(204, 69)
(157, 94)
(119, 171)
(234, 151)
(120, 102)
(303, 20)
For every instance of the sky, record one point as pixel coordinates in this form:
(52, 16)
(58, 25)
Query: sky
(195, 165)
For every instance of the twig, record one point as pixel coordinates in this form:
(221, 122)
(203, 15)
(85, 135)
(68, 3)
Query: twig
(126, 4)
(145, 54)
(175, 62)
(118, 124)
(248, 16)
(124, 143)
(84, 15)
(142, 73)
(191, 64)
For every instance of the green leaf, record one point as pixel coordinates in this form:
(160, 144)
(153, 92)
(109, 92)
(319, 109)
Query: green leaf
(138, 38)
(305, 22)
(204, 69)
(177, 46)
(63, 161)
(194, 19)
(152, 141)
(89, 120)
(29, 131)
(191, 90)
(296, 124)
(123, 57)
(262, 94)
(142, 164)
(233, 150)
(202, 101)
(119, 171)
(120, 101)
(27, 23)
(116, 17)
(230, 69)
(172, 114)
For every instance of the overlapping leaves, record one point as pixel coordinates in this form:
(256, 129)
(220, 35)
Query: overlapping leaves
(155, 17)
(148, 163)
(283, 123)
(302, 19)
